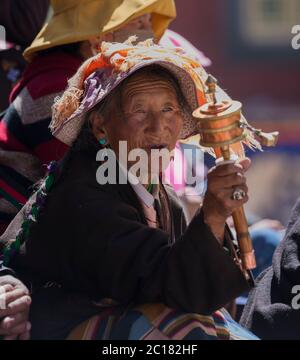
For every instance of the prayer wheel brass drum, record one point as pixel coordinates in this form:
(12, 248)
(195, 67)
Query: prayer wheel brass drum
(220, 123)
(220, 126)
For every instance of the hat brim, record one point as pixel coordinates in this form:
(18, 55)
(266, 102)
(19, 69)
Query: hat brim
(70, 129)
(82, 23)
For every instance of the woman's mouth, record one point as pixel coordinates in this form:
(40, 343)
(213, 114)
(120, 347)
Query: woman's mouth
(157, 146)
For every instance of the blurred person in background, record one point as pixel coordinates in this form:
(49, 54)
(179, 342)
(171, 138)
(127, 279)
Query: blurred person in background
(12, 65)
(22, 20)
(272, 310)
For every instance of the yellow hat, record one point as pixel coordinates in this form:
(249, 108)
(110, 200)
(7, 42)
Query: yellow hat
(78, 20)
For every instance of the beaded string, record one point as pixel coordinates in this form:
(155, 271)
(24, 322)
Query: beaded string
(11, 250)
(150, 188)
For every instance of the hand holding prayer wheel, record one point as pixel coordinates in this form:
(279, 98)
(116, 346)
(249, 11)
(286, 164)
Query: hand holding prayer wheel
(223, 128)
(218, 203)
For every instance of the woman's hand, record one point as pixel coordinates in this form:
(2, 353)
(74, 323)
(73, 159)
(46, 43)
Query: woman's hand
(14, 309)
(218, 204)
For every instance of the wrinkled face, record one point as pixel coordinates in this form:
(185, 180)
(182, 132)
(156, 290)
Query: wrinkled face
(150, 117)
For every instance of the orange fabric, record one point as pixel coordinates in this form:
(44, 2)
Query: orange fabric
(94, 65)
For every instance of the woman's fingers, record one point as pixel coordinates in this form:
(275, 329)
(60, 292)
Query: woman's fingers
(16, 330)
(19, 305)
(246, 163)
(225, 197)
(13, 320)
(26, 334)
(228, 169)
(5, 289)
(13, 295)
(12, 281)
(218, 202)
(228, 176)
(217, 184)
(11, 337)
(225, 170)
(15, 311)
(223, 180)
(23, 336)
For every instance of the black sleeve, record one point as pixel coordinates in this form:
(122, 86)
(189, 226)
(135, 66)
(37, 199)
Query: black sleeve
(130, 262)
(5, 271)
(23, 19)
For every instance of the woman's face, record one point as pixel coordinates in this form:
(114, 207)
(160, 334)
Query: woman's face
(150, 117)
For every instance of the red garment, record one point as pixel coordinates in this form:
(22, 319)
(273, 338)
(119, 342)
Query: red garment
(26, 143)
(42, 81)
(47, 74)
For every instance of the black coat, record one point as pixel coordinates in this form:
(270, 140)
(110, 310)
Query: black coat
(270, 312)
(93, 240)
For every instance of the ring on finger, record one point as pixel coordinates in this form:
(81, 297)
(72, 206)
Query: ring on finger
(238, 194)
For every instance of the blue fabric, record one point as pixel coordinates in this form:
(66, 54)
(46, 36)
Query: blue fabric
(265, 241)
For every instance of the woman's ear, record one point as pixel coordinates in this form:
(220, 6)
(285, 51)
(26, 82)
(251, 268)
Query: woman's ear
(97, 126)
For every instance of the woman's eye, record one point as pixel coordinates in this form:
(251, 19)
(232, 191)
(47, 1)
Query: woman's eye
(167, 109)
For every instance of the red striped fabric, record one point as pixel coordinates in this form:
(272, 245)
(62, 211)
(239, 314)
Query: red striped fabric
(12, 192)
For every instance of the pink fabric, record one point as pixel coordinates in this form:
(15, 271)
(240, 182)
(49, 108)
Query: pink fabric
(172, 39)
(176, 171)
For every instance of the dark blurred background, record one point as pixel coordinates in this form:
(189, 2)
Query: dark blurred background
(250, 45)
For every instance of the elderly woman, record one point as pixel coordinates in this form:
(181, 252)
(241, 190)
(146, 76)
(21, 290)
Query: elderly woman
(121, 252)
(54, 56)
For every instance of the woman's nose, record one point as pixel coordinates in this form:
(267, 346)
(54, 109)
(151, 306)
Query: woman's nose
(155, 122)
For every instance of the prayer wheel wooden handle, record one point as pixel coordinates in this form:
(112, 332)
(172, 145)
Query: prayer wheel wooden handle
(247, 256)
(244, 241)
